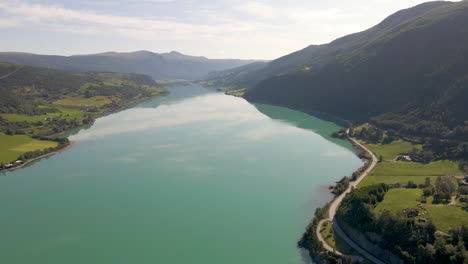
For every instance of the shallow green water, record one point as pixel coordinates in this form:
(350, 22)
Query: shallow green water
(194, 177)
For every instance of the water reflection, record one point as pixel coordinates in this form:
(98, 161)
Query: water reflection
(205, 107)
(303, 121)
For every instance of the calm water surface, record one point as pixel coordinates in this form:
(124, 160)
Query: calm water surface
(194, 177)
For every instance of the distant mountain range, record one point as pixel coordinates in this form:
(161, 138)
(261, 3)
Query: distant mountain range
(408, 73)
(164, 66)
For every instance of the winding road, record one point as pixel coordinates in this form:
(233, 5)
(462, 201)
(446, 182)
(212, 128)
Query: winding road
(336, 203)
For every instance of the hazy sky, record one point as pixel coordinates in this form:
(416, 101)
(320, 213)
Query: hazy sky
(212, 28)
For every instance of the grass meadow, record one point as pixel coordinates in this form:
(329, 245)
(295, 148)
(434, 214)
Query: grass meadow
(11, 147)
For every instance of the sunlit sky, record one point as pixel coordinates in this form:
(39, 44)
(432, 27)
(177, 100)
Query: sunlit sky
(213, 28)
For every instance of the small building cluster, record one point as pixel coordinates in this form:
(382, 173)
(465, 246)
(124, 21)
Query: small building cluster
(411, 212)
(411, 157)
(11, 165)
(464, 181)
(89, 108)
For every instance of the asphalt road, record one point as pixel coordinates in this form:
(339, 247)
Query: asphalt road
(334, 207)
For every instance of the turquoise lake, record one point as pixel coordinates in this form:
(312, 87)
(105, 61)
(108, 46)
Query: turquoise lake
(192, 177)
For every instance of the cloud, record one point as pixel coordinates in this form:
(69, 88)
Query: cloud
(227, 28)
(259, 9)
(9, 22)
(61, 19)
(222, 25)
(271, 11)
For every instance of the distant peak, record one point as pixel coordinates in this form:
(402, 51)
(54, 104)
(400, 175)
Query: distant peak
(175, 53)
(144, 52)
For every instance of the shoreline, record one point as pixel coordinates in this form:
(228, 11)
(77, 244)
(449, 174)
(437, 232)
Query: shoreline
(99, 115)
(72, 143)
(318, 114)
(322, 115)
(334, 203)
(329, 216)
(28, 162)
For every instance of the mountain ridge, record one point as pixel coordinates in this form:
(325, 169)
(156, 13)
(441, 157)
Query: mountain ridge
(165, 66)
(394, 74)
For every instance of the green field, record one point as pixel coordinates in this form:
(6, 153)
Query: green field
(11, 147)
(445, 217)
(82, 101)
(399, 199)
(391, 172)
(154, 90)
(6, 64)
(370, 180)
(87, 86)
(238, 92)
(111, 84)
(66, 113)
(391, 150)
(403, 168)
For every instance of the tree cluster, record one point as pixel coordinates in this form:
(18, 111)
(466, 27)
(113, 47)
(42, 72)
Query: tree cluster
(310, 241)
(412, 241)
(341, 186)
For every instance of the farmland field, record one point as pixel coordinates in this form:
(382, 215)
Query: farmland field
(11, 147)
(445, 217)
(391, 150)
(66, 113)
(81, 101)
(399, 199)
(390, 171)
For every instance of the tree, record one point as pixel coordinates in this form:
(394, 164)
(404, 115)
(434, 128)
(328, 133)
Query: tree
(428, 191)
(427, 182)
(463, 190)
(444, 185)
(412, 185)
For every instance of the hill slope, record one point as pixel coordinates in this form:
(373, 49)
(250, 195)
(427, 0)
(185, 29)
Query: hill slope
(37, 104)
(409, 73)
(172, 65)
(24, 87)
(319, 54)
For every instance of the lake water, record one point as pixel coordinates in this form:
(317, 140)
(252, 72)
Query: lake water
(193, 177)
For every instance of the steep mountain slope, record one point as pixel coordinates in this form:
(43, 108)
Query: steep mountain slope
(409, 73)
(227, 78)
(172, 65)
(320, 54)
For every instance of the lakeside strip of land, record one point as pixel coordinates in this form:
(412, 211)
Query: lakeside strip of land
(398, 190)
(29, 161)
(333, 207)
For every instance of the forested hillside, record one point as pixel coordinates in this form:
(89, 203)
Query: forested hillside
(408, 73)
